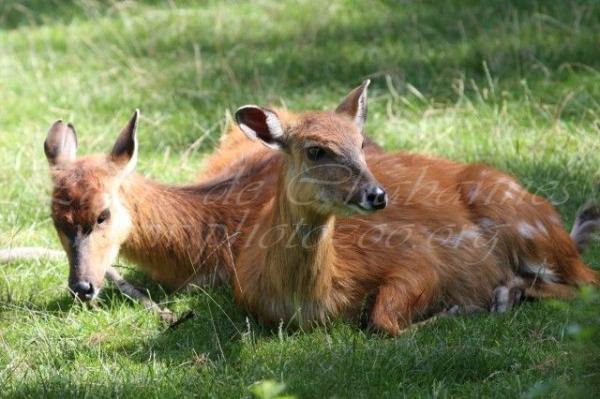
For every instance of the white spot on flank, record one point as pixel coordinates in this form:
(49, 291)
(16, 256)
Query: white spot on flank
(486, 223)
(514, 186)
(472, 234)
(472, 194)
(540, 226)
(526, 230)
(456, 240)
(511, 185)
(452, 241)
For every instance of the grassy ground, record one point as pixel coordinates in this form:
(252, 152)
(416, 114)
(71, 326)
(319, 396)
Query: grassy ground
(513, 83)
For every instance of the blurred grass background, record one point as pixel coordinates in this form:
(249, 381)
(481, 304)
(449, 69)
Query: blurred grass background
(513, 83)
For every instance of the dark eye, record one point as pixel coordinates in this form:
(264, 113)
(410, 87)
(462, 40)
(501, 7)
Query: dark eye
(315, 153)
(104, 216)
(364, 143)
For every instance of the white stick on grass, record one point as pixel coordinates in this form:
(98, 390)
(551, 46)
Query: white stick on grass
(29, 253)
(9, 255)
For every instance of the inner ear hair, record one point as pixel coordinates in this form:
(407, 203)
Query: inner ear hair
(261, 123)
(124, 151)
(355, 105)
(61, 143)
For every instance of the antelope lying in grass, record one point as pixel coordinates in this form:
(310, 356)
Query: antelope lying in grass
(444, 234)
(179, 235)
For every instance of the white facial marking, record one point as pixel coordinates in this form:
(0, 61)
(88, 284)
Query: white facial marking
(121, 219)
(106, 200)
(311, 143)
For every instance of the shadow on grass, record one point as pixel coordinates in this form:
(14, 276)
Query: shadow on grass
(57, 305)
(479, 356)
(20, 13)
(17, 13)
(426, 44)
(432, 45)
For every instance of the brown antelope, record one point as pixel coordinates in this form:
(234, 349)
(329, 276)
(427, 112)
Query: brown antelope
(427, 233)
(179, 235)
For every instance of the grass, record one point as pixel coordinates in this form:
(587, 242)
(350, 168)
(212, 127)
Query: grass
(512, 83)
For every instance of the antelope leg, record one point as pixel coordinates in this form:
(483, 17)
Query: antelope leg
(132, 292)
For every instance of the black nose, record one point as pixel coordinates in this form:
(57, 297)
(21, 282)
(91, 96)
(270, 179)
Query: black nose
(376, 197)
(83, 290)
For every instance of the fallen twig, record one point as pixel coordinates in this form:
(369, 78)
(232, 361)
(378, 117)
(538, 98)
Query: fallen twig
(29, 253)
(130, 291)
(32, 253)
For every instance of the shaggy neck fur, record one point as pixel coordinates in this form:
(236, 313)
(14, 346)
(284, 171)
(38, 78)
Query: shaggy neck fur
(298, 259)
(183, 235)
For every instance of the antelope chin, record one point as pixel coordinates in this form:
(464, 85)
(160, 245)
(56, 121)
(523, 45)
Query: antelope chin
(360, 209)
(349, 209)
(344, 209)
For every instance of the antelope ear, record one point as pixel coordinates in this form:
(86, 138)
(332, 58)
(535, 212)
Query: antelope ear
(61, 143)
(355, 105)
(262, 124)
(124, 152)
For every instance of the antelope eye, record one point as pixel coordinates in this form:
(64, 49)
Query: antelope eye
(104, 216)
(315, 153)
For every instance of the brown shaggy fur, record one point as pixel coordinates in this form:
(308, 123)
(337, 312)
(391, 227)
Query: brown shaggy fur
(450, 234)
(180, 235)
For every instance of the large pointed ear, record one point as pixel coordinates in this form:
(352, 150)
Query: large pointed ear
(61, 143)
(261, 123)
(355, 105)
(125, 150)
